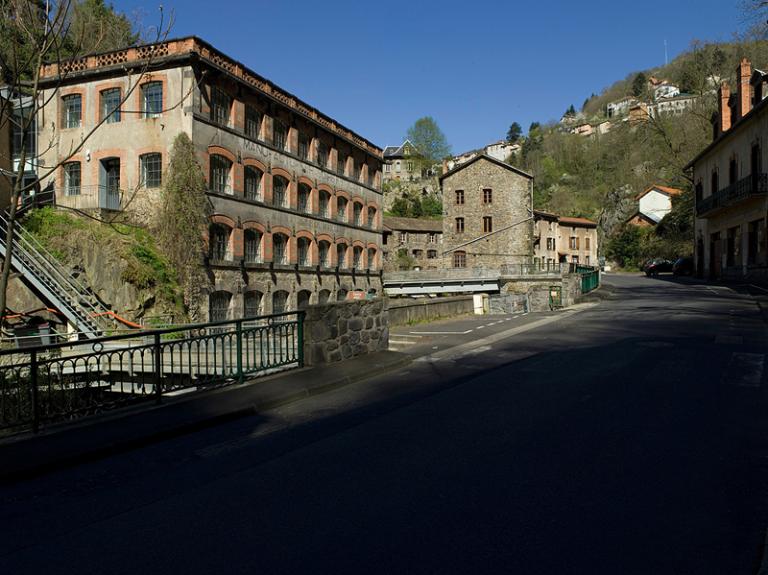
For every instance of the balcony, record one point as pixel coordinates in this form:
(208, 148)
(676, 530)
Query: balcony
(90, 198)
(751, 186)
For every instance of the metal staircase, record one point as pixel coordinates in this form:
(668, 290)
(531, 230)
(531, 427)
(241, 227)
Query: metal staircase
(50, 281)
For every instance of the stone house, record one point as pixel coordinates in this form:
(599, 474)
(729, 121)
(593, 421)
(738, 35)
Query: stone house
(296, 196)
(488, 221)
(399, 163)
(419, 239)
(731, 185)
(561, 239)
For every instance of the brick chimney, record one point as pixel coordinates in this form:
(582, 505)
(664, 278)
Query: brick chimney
(744, 103)
(724, 110)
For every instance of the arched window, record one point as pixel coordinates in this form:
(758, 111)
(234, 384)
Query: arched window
(371, 217)
(371, 258)
(220, 174)
(325, 204)
(341, 255)
(302, 299)
(280, 249)
(253, 179)
(252, 303)
(460, 259)
(341, 295)
(303, 197)
(341, 208)
(218, 305)
(302, 248)
(280, 192)
(280, 301)
(324, 253)
(357, 258)
(323, 296)
(219, 242)
(357, 213)
(252, 247)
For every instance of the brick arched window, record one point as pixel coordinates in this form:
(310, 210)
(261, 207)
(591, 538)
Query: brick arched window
(218, 245)
(252, 246)
(280, 191)
(341, 255)
(253, 179)
(303, 198)
(341, 208)
(303, 251)
(280, 249)
(324, 253)
(218, 305)
(325, 204)
(220, 174)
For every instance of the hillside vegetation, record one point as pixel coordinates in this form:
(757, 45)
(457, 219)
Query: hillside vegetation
(598, 177)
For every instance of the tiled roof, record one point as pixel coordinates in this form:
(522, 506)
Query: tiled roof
(578, 222)
(663, 189)
(398, 224)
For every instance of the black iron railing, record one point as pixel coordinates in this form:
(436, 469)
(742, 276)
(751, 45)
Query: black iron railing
(70, 381)
(753, 185)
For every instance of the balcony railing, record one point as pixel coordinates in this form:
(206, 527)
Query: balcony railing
(90, 198)
(751, 186)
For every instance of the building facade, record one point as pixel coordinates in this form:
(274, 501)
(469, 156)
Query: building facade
(488, 207)
(417, 242)
(730, 183)
(561, 239)
(399, 163)
(295, 196)
(653, 204)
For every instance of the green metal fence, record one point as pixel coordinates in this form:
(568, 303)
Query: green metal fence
(590, 278)
(74, 380)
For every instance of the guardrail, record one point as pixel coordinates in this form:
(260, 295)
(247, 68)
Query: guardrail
(70, 381)
(590, 278)
(752, 185)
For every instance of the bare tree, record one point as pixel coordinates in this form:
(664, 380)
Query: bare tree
(34, 34)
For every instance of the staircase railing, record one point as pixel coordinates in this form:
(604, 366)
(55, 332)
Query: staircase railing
(45, 275)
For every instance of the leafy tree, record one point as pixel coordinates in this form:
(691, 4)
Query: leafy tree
(431, 206)
(429, 140)
(639, 85)
(96, 27)
(183, 216)
(514, 133)
(624, 248)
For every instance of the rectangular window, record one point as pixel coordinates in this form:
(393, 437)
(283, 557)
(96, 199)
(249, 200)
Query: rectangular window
(371, 177)
(586, 243)
(221, 106)
(550, 244)
(252, 123)
(487, 224)
(279, 134)
(459, 225)
(304, 142)
(322, 154)
(459, 197)
(72, 112)
(72, 179)
(459, 259)
(403, 237)
(341, 163)
(356, 170)
(152, 99)
(432, 238)
(574, 244)
(387, 168)
(151, 170)
(110, 105)
(487, 196)
(431, 254)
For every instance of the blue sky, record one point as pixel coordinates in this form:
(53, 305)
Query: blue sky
(474, 66)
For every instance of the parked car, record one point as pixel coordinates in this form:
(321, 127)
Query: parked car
(656, 266)
(683, 267)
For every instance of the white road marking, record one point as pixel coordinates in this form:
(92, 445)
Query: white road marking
(442, 332)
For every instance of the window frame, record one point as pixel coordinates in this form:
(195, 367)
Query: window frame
(144, 170)
(459, 225)
(107, 116)
(68, 119)
(69, 189)
(148, 111)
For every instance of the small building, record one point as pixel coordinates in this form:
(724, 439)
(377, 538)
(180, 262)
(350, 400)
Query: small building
(731, 183)
(584, 129)
(652, 205)
(562, 239)
(400, 164)
(502, 150)
(665, 91)
(488, 207)
(415, 240)
(674, 105)
(620, 107)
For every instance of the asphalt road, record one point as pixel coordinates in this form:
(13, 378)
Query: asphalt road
(629, 438)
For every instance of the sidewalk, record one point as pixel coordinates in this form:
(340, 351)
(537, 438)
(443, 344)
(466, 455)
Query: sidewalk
(63, 445)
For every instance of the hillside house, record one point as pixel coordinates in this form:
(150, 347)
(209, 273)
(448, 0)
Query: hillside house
(419, 239)
(652, 205)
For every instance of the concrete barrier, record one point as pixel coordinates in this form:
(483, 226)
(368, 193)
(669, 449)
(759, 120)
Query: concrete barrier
(408, 311)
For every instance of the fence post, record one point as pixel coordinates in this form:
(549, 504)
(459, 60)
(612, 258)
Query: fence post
(157, 352)
(239, 359)
(300, 322)
(35, 399)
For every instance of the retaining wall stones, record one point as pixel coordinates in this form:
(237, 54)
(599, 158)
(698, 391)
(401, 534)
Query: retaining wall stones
(342, 330)
(405, 311)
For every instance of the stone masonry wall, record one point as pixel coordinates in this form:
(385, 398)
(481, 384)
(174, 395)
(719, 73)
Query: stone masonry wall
(343, 330)
(510, 203)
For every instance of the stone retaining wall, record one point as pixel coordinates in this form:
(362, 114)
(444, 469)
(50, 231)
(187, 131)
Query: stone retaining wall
(342, 330)
(406, 311)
